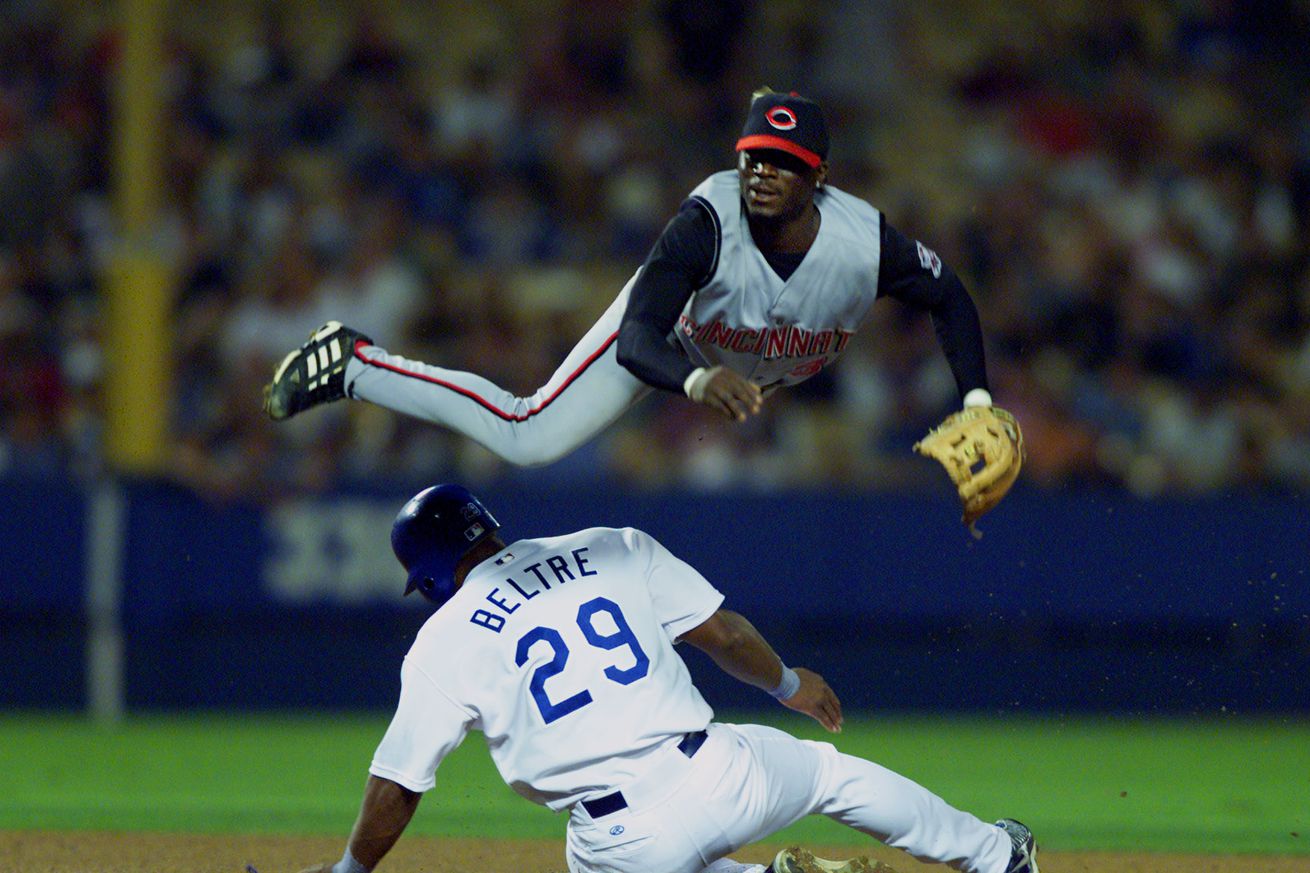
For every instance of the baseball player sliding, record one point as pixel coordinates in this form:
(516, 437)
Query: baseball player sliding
(759, 281)
(560, 651)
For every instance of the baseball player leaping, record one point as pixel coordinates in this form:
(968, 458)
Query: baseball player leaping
(759, 281)
(560, 651)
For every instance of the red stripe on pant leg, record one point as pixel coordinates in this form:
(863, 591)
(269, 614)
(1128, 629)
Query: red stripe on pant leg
(479, 399)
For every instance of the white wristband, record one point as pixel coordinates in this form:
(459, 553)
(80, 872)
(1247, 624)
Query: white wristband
(978, 397)
(788, 685)
(348, 864)
(693, 386)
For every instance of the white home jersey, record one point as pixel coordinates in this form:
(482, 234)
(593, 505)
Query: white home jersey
(772, 331)
(561, 652)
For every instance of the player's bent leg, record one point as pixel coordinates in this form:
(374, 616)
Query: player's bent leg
(586, 394)
(526, 431)
(780, 779)
(772, 777)
(901, 813)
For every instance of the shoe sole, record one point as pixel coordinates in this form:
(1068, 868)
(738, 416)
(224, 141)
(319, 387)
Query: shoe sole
(280, 412)
(804, 861)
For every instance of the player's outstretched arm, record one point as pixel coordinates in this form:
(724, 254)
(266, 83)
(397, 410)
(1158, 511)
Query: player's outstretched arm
(913, 274)
(734, 644)
(383, 815)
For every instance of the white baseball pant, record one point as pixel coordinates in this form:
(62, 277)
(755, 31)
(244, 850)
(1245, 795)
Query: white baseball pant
(588, 392)
(746, 783)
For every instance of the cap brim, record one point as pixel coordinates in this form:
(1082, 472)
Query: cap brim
(766, 141)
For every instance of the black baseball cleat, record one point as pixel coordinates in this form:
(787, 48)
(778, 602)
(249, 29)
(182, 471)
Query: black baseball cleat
(1023, 848)
(314, 373)
(798, 860)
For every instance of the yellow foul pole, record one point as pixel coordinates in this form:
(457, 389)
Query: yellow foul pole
(137, 327)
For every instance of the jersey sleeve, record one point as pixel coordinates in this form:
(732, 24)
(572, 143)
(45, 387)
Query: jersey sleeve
(426, 728)
(914, 274)
(683, 599)
(681, 261)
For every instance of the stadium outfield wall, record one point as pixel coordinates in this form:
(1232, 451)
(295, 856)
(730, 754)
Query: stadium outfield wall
(1071, 601)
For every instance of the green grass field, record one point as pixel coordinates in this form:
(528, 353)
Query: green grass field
(1223, 786)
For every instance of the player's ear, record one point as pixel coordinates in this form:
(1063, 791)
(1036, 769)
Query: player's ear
(821, 174)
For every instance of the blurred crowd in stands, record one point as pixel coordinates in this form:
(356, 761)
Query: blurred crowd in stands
(1123, 185)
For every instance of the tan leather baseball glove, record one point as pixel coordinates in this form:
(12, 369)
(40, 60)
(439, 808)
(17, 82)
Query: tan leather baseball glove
(982, 450)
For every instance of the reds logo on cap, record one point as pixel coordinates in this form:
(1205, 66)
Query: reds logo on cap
(781, 117)
(774, 122)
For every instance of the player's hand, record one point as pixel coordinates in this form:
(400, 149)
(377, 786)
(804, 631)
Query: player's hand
(816, 700)
(728, 392)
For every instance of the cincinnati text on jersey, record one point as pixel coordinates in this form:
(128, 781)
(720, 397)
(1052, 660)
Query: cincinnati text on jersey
(770, 343)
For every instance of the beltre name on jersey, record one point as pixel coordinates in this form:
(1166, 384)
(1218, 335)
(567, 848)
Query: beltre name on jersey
(529, 582)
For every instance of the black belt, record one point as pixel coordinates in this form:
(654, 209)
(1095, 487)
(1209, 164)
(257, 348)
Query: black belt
(612, 803)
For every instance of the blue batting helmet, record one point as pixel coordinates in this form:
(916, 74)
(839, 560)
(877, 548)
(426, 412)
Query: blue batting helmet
(433, 531)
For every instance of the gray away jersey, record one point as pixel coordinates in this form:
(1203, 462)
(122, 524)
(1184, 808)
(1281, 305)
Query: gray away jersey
(778, 332)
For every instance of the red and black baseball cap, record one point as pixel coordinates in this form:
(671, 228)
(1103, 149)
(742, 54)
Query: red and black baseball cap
(789, 123)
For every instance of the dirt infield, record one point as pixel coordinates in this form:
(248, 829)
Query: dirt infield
(94, 852)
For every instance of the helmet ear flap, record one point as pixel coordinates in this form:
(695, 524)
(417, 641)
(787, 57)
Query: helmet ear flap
(434, 590)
